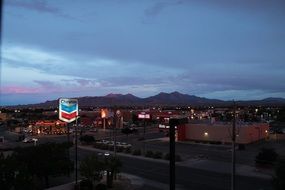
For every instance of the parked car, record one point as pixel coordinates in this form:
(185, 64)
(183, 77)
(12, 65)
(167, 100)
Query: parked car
(94, 130)
(123, 144)
(30, 140)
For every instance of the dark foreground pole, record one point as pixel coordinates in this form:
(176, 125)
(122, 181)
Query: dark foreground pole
(172, 155)
(173, 122)
(76, 154)
(234, 149)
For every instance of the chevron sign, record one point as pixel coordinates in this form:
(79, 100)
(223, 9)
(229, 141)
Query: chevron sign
(68, 109)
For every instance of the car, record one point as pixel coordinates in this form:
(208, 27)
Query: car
(124, 145)
(30, 140)
(94, 130)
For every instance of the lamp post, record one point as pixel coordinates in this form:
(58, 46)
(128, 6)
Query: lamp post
(76, 153)
(233, 149)
(173, 122)
(118, 121)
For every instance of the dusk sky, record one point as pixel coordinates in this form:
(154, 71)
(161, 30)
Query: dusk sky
(210, 48)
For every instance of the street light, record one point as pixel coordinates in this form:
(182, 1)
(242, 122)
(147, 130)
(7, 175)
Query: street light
(118, 121)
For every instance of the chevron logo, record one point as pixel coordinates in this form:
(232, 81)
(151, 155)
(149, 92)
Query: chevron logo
(68, 109)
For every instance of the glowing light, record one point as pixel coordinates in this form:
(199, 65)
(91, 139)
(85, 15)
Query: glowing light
(206, 134)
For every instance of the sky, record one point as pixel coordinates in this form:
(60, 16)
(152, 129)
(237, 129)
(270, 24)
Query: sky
(222, 49)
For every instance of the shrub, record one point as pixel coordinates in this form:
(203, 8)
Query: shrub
(128, 150)
(86, 184)
(104, 147)
(157, 155)
(166, 156)
(119, 149)
(279, 178)
(267, 156)
(177, 157)
(101, 186)
(111, 147)
(97, 145)
(137, 152)
(87, 139)
(149, 154)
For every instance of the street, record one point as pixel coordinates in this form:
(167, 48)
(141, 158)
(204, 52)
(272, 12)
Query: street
(186, 178)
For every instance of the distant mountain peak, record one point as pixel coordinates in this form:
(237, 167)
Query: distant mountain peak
(176, 93)
(112, 95)
(164, 99)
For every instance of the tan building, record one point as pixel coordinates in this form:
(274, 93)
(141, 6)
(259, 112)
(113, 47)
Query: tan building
(222, 132)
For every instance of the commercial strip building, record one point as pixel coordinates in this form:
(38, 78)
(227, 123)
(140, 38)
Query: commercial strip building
(221, 132)
(48, 127)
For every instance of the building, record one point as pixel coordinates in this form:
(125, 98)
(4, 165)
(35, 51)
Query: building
(222, 132)
(48, 127)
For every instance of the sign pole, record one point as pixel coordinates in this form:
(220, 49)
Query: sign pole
(68, 112)
(172, 153)
(76, 155)
(234, 149)
(173, 122)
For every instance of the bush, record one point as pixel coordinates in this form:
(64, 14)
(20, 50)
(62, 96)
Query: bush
(279, 178)
(157, 155)
(128, 150)
(267, 156)
(149, 154)
(86, 184)
(137, 152)
(101, 186)
(97, 145)
(177, 157)
(111, 147)
(87, 139)
(104, 147)
(119, 149)
(166, 156)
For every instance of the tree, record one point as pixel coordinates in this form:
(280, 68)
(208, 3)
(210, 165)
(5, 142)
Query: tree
(87, 139)
(267, 156)
(45, 160)
(92, 168)
(279, 179)
(112, 165)
(127, 131)
(6, 172)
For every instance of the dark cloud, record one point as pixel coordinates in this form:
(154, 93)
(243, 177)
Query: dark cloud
(39, 6)
(155, 9)
(36, 5)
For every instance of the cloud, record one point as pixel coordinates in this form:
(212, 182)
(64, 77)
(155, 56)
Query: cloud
(158, 7)
(18, 90)
(37, 5)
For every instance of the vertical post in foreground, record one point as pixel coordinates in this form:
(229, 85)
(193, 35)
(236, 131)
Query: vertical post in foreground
(173, 122)
(233, 149)
(76, 155)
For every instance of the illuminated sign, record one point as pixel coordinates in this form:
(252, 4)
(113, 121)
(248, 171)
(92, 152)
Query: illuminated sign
(68, 109)
(143, 115)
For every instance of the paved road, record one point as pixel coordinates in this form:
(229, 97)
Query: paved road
(186, 178)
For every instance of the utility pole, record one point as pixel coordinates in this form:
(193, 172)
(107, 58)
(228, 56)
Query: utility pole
(233, 149)
(118, 122)
(173, 122)
(76, 154)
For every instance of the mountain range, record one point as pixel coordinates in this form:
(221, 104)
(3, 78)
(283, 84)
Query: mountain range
(161, 99)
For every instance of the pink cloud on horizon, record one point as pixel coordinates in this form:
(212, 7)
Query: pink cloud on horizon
(19, 90)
